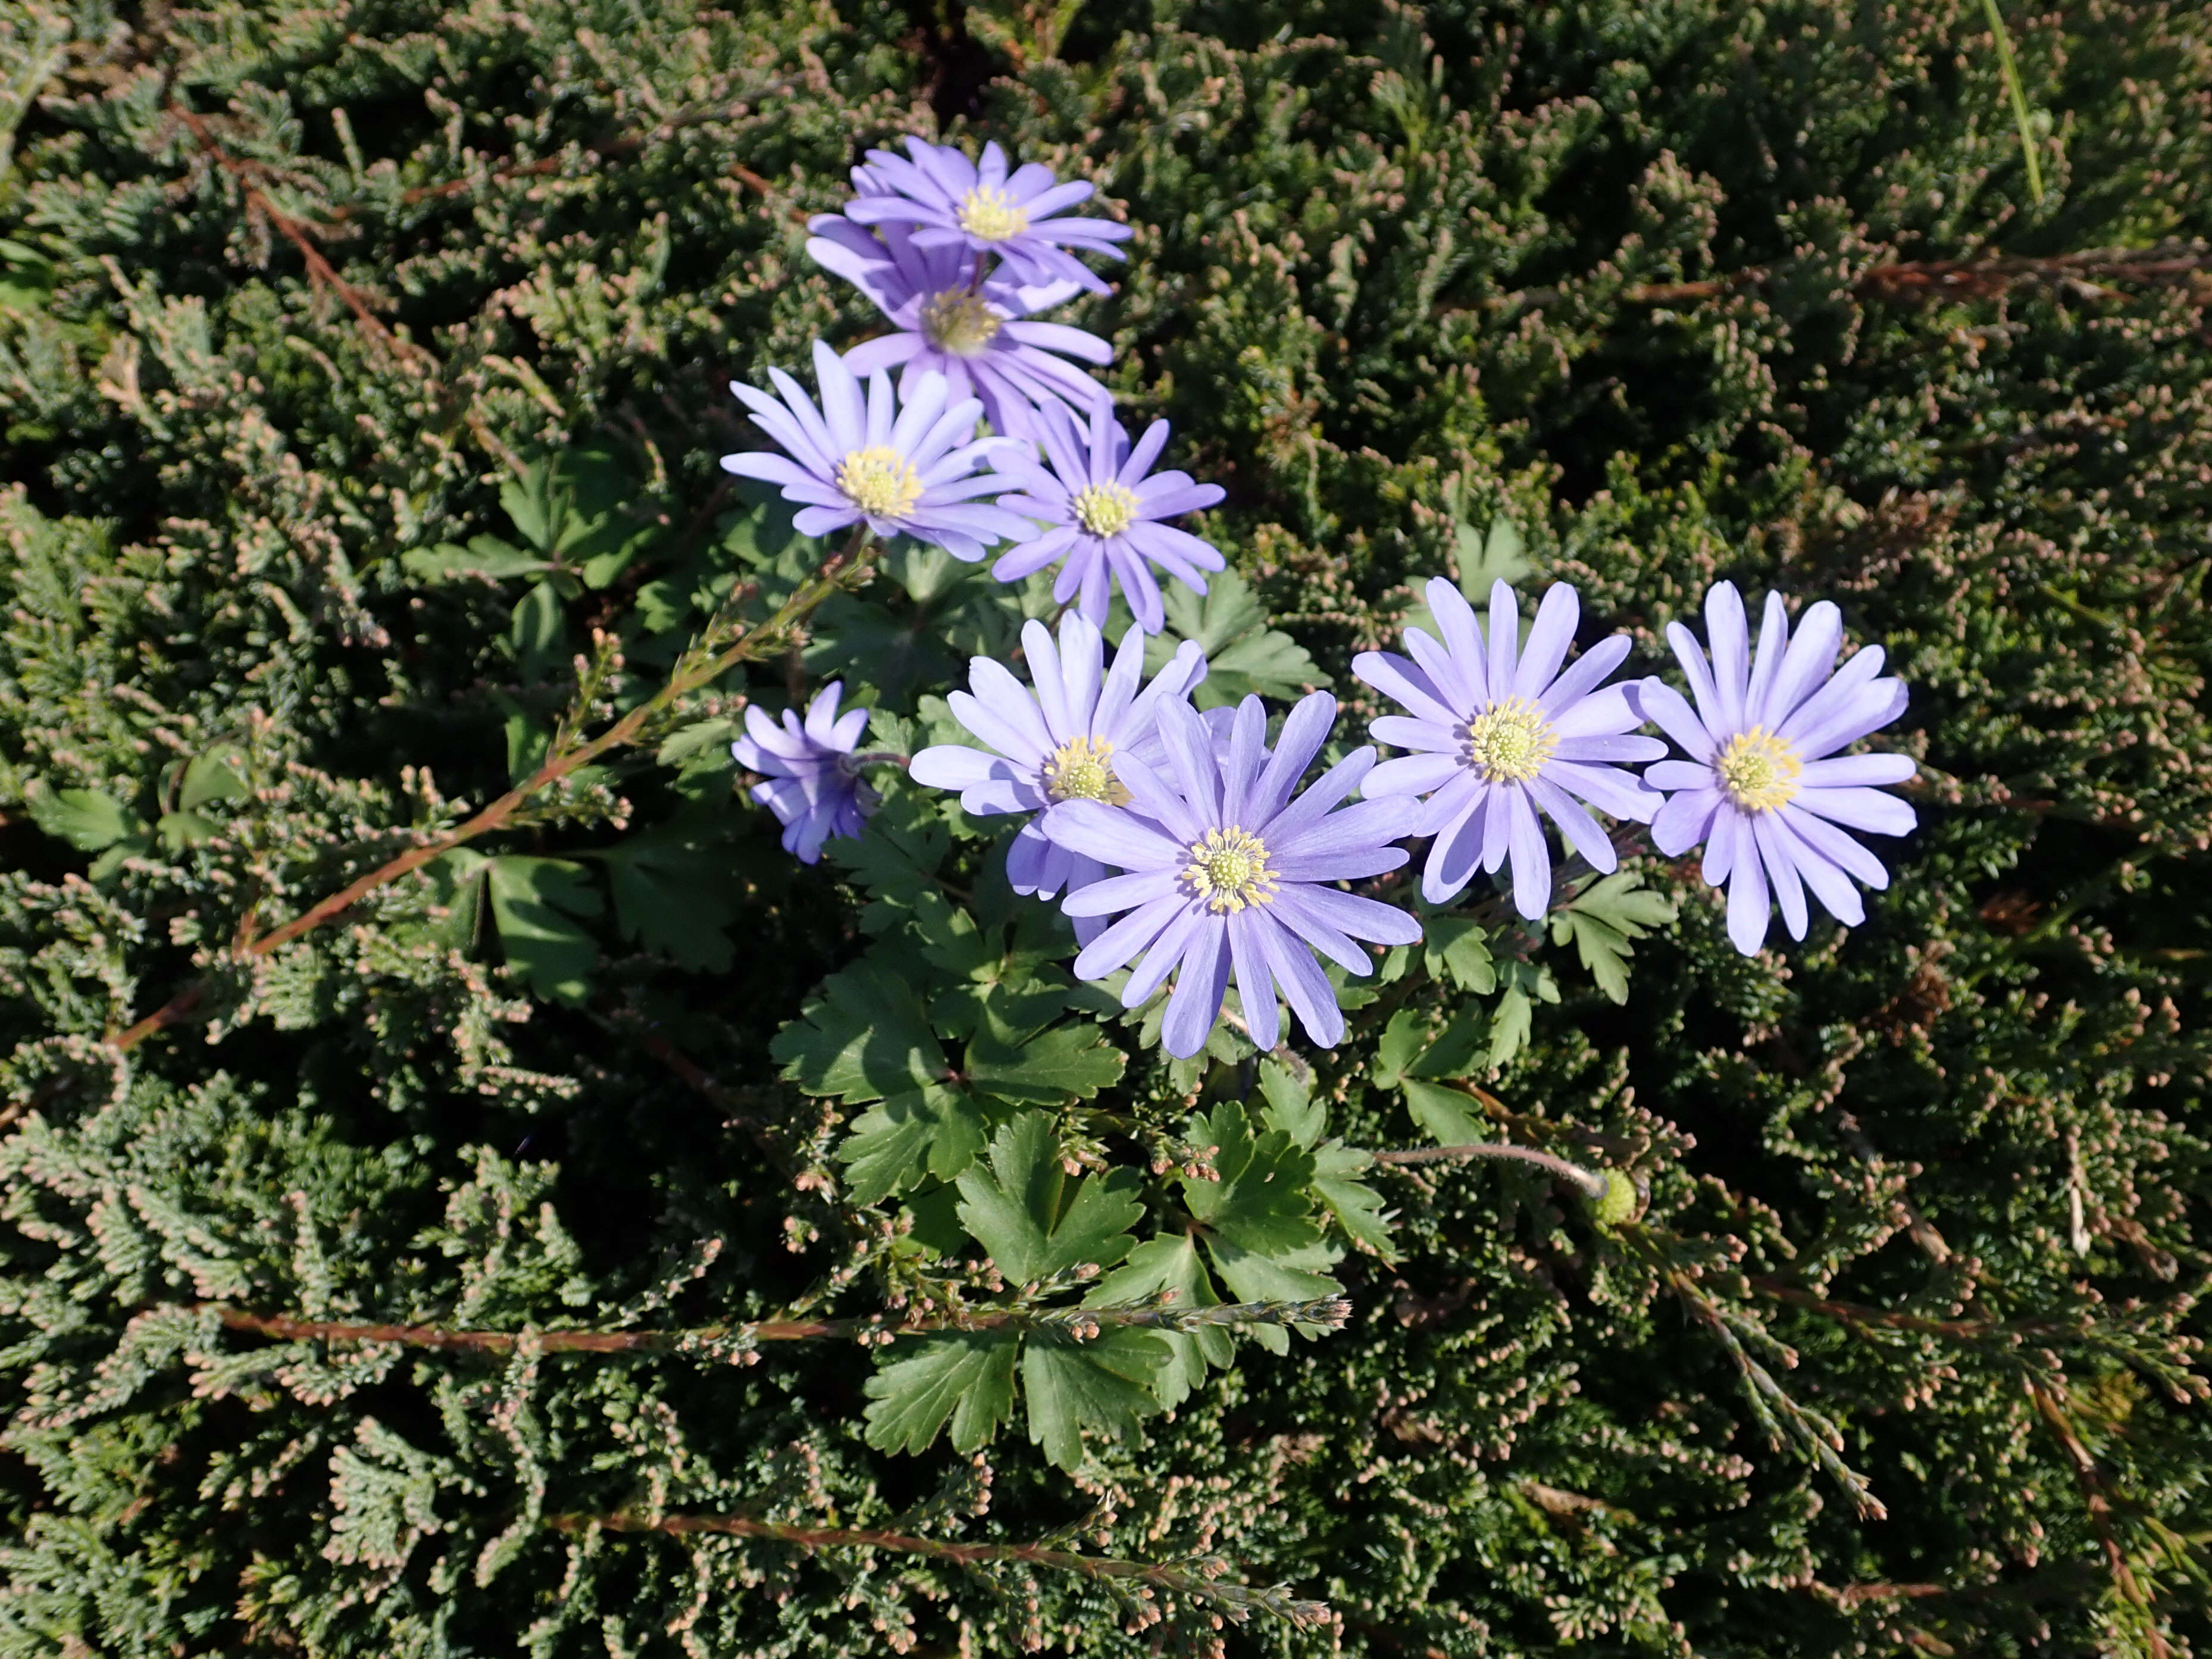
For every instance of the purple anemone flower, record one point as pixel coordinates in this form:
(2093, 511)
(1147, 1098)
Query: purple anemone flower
(911, 466)
(1230, 868)
(1096, 509)
(812, 782)
(955, 202)
(1501, 734)
(980, 339)
(1062, 741)
(1760, 788)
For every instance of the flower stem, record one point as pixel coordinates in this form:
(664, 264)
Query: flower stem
(1590, 1183)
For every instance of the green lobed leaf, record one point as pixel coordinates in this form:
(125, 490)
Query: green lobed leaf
(1171, 1263)
(965, 1375)
(1243, 654)
(1602, 919)
(897, 1143)
(1019, 1206)
(1107, 1385)
(894, 857)
(673, 891)
(865, 1037)
(85, 818)
(1498, 555)
(1358, 1208)
(1441, 1113)
(1457, 949)
(216, 774)
(535, 904)
(1066, 1063)
(487, 557)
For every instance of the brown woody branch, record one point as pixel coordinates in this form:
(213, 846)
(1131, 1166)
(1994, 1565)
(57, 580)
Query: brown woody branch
(1082, 1324)
(1200, 1581)
(2091, 1482)
(1915, 279)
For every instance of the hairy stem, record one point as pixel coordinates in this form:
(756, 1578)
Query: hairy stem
(1589, 1183)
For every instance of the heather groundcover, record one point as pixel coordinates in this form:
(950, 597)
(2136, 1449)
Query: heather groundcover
(1104, 828)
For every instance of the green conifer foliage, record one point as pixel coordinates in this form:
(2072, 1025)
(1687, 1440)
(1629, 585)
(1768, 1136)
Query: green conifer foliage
(465, 1190)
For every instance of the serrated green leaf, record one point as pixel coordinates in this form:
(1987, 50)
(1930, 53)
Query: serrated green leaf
(218, 774)
(864, 1038)
(895, 652)
(1441, 1113)
(1458, 949)
(1497, 557)
(1067, 1063)
(85, 818)
(1508, 1026)
(1260, 1203)
(1171, 1262)
(967, 1375)
(1602, 919)
(485, 556)
(896, 1144)
(1358, 1208)
(457, 882)
(701, 737)
(673, 891)
(1256, 1221)
(1017, 1207)
(1107, 1385)
(1243, 654)
(1402, 1039)
(1291, 1107)
(535, 903)
(895, 857)
(1278, 1275)
(538, 634)
(130, 847)
(528, 503)
(178, 830)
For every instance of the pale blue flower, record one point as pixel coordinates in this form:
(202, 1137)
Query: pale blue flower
(911, 467)
(1063, 740)
(1231, 870)
(1092, 504)
(810, 780)
(983, 340)
(981, 209)
(1502, 734)
(1763, 788)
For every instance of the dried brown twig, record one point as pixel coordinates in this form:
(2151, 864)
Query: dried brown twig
(1200, 1580)
(2088, 273)
(1081, 1324)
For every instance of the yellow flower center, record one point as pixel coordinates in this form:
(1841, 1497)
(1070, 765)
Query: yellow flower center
(879, 482)
(990, 212)
(1509, 742)
(1758, 770)
(1229, 870)
(958, 322)
(1080, 769)
(1105, 509)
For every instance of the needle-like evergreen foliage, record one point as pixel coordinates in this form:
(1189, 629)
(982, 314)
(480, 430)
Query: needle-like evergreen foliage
(465, 1190)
